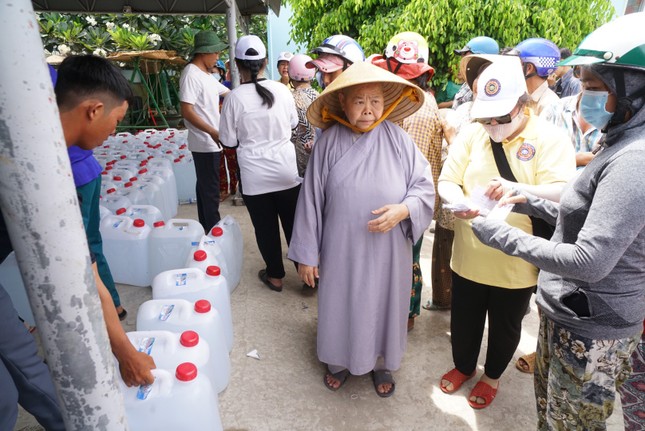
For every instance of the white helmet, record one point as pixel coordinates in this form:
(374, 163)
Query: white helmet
(298, 71)
(343, 46)
(620, 42)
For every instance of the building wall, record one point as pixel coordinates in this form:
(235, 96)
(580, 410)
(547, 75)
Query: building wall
(278, 29)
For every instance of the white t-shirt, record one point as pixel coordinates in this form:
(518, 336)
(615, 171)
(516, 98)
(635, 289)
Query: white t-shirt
(202, 91)
(266, 155)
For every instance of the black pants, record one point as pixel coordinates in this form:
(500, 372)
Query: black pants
(265, 209)
(471, 302)
(207, 188)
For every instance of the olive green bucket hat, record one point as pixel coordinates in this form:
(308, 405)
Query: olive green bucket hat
(207, 42)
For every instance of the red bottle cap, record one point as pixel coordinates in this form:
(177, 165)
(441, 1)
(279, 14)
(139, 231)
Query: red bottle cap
(169, 152)
(104, 173)
(159, 224)
(202, 306)
(120, 211)
(128, 184)
(112, 190)
(186, 372)
(217, 231)
(123, 156)
(133, 179)
(177, 160)
(189, 338)
(108, 167)
(143, 171)
(138, 222)
(213, 271)
(116, 178)
(200, 255)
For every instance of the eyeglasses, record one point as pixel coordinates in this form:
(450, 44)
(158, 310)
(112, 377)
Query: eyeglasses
(504, 119)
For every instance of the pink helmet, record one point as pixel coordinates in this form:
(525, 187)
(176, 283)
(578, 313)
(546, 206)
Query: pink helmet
(297, 69)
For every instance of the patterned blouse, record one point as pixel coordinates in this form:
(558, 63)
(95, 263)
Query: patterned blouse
(426, 131)
(303, 135)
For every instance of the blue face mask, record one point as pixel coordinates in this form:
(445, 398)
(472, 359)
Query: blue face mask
(592, 108)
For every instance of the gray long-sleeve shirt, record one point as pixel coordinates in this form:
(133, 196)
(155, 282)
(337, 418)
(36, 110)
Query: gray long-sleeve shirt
(598, 247)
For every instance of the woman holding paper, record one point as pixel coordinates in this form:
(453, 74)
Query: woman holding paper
(487, 282)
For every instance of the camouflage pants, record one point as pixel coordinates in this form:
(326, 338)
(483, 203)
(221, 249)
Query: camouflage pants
(576, 378)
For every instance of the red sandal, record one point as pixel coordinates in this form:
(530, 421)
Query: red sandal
(485, 391)
(456, 379)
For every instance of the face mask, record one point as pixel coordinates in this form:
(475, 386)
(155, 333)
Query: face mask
(499, 132)
(592, 108)
(320, 80)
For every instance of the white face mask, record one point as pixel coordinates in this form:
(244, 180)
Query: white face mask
(499, 132)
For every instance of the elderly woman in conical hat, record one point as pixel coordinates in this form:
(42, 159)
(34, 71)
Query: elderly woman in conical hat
(367, 196)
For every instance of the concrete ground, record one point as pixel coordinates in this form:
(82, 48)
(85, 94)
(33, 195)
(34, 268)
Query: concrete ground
(283, 390)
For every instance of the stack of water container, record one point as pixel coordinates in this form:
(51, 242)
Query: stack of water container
(140, 185)
(139, 150)
(188, 329)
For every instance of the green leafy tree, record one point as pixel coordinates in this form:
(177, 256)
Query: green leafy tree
(447, 24)
(105, 33)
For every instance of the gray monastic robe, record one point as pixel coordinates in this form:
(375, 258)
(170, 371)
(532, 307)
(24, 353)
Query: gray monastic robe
(365, 277)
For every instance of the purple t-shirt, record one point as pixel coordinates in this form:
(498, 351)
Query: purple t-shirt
(85, 167)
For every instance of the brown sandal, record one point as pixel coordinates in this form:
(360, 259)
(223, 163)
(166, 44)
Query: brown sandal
(526, 363)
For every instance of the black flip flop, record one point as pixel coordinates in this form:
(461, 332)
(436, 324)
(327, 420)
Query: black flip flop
(381, 377)
(341, 376)
(123, 314)
(264, 277)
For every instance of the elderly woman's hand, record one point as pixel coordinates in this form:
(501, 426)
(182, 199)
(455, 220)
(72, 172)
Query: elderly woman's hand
(390, 216)
(308, 274)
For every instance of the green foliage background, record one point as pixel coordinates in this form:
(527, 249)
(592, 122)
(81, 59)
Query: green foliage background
(106, 33)
(447, 24)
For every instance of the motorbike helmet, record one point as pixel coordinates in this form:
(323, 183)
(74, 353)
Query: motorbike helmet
(541, 53)
(298, 71)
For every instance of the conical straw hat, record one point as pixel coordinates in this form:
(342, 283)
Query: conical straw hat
(365, 73)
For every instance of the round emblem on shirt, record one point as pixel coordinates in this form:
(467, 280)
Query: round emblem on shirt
(526, 152)
(492, 87)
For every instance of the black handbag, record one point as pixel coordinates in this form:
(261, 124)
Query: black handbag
(541, 228)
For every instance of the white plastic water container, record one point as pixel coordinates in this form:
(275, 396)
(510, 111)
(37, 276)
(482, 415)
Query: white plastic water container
(158, 192)
(228, 235)
(169, 349)
(130, 164)
(11, 280)
(208, 253)
(169, 186)
(186, 179)
(107, 184)
(181, 399)
(193, 284)
(148, 213)
(103, 212)
(122, 173)
(125, 246)
(112, 200)
(136, 194)
(179, 315)
(172, 242)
